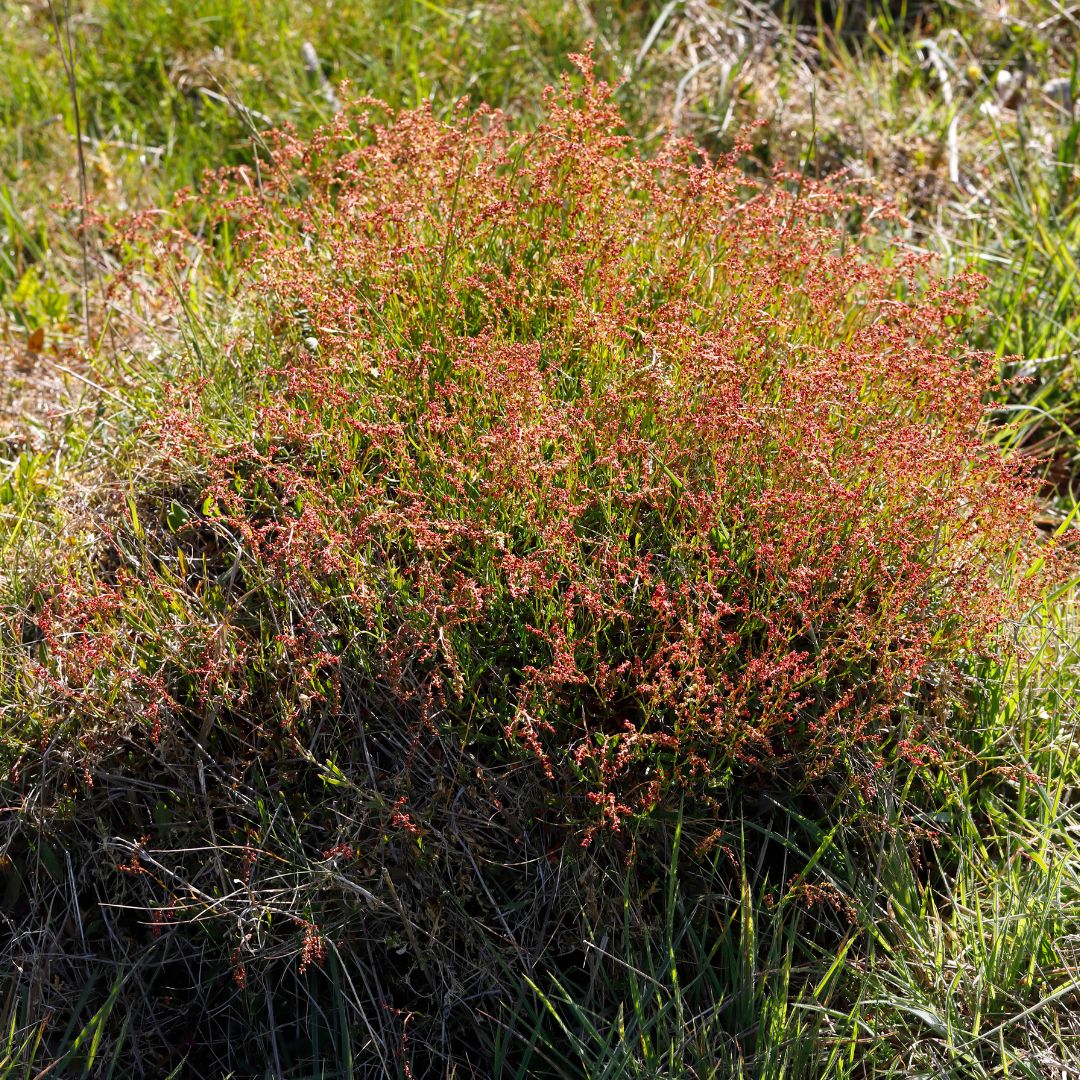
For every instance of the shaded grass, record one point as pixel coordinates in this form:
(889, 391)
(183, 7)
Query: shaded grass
(952, 958)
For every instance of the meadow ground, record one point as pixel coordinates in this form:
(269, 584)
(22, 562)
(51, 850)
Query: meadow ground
(485, 597)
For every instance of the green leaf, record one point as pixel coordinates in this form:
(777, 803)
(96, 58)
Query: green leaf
(176, 516)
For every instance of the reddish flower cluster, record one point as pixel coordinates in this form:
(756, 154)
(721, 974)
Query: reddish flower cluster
(648, 469)
(314, 948)
(400, 818)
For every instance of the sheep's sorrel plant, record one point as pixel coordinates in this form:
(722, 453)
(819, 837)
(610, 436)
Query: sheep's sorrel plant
(647, 472)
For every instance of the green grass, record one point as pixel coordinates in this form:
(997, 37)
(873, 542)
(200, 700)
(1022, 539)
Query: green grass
(166, 90)
(950, 955)
(959, 959)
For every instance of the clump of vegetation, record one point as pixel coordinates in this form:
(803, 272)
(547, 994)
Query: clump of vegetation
(532, 491)
(632, 464)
